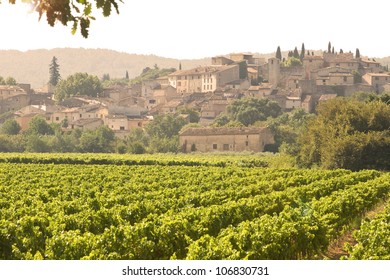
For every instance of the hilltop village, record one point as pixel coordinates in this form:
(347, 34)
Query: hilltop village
(293, 82)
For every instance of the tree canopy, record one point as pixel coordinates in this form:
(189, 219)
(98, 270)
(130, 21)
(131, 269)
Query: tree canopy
(250, 110)
(78, 84)
(77, 12)
(347, 133)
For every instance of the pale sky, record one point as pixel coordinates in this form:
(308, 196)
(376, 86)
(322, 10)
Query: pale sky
(204, 28)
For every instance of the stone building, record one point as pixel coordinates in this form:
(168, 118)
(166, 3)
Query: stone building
(223, 139)
(203, 79)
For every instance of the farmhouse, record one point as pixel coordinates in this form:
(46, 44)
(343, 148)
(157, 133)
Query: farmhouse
(235, 139)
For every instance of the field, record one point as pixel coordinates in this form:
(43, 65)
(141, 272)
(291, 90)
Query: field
(76, 206)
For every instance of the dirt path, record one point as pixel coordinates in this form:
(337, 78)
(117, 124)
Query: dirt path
(336, 248)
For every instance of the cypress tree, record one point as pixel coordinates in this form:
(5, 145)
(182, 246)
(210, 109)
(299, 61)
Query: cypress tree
(302, 52)
(54, 71)
(329, 47)
(296, 53)
(278, 53)
(357, 55)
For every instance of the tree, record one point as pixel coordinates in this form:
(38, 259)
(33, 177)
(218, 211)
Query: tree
(250, 110)
(100, 140)
(163, 133)
(278, 54)
(78, 12)
(243, 70)
(302, 55)
(10, 127)
(38, 126)
(54, 71)
(105, 77)
(292, 61)
(329, 47)
(78, 84)
(296, 53)
(10, 81)
(357, 54)
(347, 133)
(127, 75)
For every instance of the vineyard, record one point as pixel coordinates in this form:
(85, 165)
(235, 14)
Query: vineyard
(183, 207)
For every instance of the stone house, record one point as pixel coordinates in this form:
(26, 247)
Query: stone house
(260, 91)
(15, 102)
(10, 91)
(171, 107)
(370, 66)
(312, 63)
(225, 139)
(293, 102)
(90, 124)
(203, 79)
(117, 92)
(377, 80)
(335, 78)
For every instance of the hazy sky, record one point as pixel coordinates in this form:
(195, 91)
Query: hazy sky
(203, 28)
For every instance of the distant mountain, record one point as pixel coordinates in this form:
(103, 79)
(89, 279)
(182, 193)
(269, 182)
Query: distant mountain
(33, 66)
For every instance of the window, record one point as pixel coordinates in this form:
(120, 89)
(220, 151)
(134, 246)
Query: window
(57, 118)
(345, 79)
(226, 147)
(179, 84)
(376, 78)
(215, 146)
(81, 115)
(121, 128)
(247, 143)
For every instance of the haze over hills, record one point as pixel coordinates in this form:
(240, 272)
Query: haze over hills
(33, 66)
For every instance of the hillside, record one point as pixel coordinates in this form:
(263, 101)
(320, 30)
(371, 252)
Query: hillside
(33, 66)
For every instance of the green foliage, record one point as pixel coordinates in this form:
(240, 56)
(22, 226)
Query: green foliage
(286, 129)
(54, 71)
(165, 126)
(194, 115)
(38, 126)
(10, 81)
(79, 13)
(292, 62)
(176, 207)
(347, 134)
(357, 77)
(243, 70)
(97, 141)
(152, 73)
(10, 127)
(250, 110)
(373, 242)
(78, 84)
